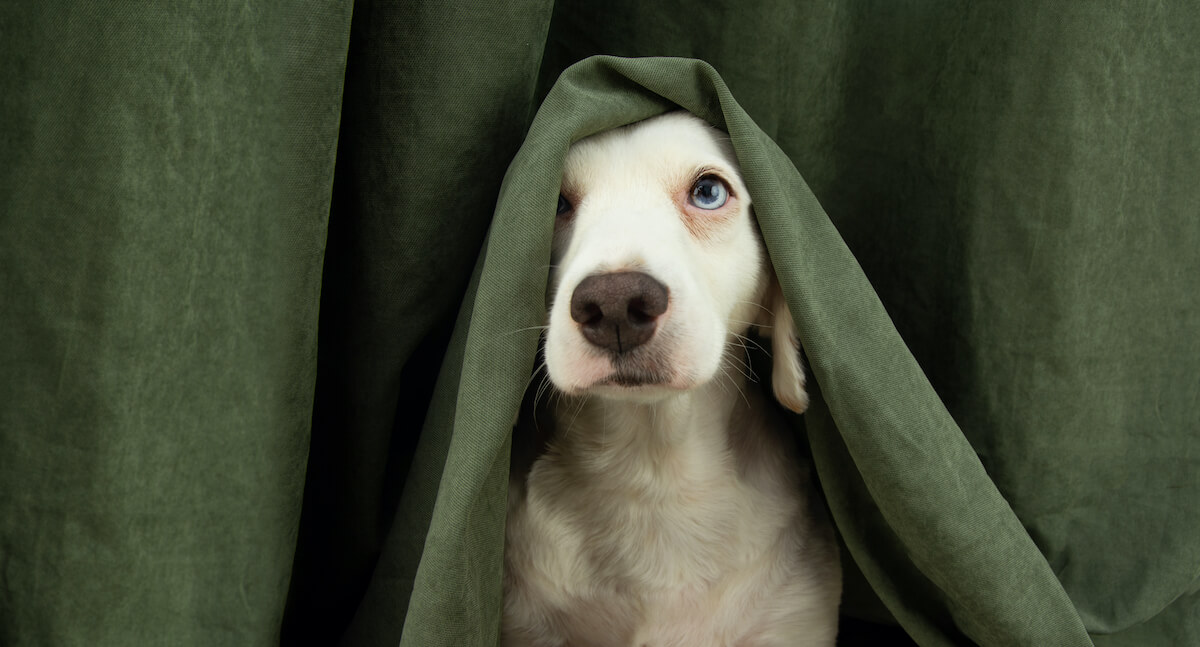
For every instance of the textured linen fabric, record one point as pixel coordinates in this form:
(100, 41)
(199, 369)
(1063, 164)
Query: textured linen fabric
(248, 397)
(165, 176)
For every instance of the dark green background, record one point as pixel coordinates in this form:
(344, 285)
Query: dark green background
(235, 239)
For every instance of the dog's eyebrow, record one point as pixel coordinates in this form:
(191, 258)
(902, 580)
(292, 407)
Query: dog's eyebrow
(725, 174)
(569, 189)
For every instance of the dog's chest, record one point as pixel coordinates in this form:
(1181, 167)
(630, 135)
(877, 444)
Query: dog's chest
(656, 532)
(671, 543)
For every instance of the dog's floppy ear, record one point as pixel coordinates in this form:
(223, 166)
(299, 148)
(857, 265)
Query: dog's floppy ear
(787, 375)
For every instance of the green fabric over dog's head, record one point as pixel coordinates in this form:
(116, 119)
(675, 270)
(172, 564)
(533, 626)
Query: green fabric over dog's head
(889, 456)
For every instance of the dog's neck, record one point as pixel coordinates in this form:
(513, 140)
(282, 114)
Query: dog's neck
(677, 439)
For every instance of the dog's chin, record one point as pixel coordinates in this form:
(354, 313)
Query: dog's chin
(623, 389)
(623, 385)
(632, 384)
(637, 386)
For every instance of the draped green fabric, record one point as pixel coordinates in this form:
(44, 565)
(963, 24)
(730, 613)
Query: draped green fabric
(268, 273)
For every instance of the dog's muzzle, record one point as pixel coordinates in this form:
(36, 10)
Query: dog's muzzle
(619, 311)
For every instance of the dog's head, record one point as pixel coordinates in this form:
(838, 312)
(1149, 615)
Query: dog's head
(658, 266)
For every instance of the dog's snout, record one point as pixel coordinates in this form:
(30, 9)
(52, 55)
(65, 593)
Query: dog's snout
(618, 311)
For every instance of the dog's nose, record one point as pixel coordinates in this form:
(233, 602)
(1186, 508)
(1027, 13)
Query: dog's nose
(619, 311)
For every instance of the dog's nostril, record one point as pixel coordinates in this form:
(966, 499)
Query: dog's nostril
(592, 314)
(638, 313)
(618, 311)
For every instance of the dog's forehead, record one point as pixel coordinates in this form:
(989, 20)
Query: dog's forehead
(674, 142)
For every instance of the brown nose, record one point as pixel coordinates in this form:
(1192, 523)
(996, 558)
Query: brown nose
(619, 311)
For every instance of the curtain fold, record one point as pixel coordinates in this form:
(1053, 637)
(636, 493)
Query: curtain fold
(438, 96)
(165, 178)
(265, 270)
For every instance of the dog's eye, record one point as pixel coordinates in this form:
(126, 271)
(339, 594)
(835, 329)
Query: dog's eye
(709, 192)
(563, 205)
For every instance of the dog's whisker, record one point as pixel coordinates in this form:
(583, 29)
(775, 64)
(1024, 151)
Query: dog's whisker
(742, 341)
(746, 351)
(736, 362)
(736, 384)
(741, 364)
(534, 374)
(575, 415)
(748, 340)
(757, 305)
(537, 425)
(605, 434)
(721, 383)
(749, 360)
(542, 387)
(725, 372)
(521, 330)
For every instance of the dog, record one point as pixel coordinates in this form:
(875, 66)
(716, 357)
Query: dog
(663, 504)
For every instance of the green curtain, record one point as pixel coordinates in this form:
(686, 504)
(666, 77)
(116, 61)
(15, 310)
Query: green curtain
(263, 268)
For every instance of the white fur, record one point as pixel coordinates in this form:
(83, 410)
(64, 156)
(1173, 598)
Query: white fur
(674, 513)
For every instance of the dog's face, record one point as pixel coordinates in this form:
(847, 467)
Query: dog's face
(657, 262)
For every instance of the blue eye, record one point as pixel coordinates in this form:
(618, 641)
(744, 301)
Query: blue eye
(563, 205)
(709, 192)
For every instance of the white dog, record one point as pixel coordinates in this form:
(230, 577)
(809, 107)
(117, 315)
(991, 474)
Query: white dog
(666, 506)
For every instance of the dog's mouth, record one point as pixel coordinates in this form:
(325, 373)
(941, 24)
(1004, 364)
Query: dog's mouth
(635, 370)
(627, 381)
(632, 379)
